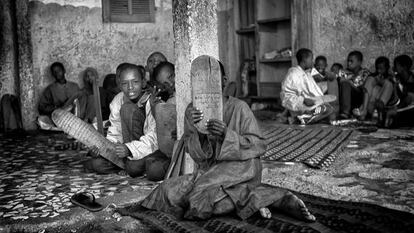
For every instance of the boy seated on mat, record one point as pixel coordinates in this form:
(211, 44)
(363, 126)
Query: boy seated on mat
(352, 84)
(300, 92)
(327, 81)
(402, 114)
(322, 76)
(336, 68)
(378, 90)
(86, 100)
(87, 104)
(227, 178)
(60, 94)
(133, 129)
(153, 60)
(163, 80)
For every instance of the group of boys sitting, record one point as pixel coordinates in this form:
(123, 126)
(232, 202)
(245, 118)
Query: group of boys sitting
(127, 101)
(355, 91)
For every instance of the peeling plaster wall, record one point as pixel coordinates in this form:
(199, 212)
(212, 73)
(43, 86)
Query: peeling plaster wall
(376, 28)
(72, 32)
(8, 67)
(195, 34)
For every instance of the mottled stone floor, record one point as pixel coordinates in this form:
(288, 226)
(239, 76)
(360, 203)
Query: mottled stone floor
(376, 168)
(37, 180)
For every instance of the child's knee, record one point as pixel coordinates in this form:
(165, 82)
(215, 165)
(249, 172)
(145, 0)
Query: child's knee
(135, 168)
(100, 165)
(156, 169)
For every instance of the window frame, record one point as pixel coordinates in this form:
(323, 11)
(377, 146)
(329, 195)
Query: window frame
(107, 17)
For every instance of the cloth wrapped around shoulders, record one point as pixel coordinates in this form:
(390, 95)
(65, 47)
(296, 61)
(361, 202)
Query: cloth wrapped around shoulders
(228, 171)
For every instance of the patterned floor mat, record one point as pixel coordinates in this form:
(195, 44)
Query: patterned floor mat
(40, 172)
(332, 216)
(315, 146)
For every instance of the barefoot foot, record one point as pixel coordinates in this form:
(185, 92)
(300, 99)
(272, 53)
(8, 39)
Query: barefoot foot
(265, 212)
(295, 207)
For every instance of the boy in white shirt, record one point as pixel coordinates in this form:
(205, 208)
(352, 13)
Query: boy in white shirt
(300, 93)
(133, 128)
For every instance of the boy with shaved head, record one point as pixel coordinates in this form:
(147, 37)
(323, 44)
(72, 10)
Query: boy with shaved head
(153, 60)
(133, 129)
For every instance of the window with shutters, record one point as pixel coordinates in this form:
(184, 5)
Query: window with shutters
(128, 11)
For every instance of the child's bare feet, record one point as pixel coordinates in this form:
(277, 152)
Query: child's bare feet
(265, 212)
(295, 207)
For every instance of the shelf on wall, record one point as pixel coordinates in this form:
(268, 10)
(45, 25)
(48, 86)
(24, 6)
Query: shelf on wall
(274, 20)
(249, 30)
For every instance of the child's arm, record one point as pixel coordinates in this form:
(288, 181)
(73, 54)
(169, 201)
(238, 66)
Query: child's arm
(115, 130)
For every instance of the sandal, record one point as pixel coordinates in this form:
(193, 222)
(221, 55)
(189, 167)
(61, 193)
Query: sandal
(87, 201)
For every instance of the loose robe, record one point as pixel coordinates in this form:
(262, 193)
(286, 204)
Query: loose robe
(298, 85)
(228, 171)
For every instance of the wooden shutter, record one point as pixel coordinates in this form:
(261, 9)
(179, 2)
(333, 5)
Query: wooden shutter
(128, 11)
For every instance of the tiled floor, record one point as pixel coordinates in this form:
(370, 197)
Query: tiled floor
(37, 180)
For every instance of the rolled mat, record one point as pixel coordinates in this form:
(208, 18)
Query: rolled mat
(86, 134)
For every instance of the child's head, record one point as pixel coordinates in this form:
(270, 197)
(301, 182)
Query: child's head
(142, 70)
(354, 60)
(336, 67)
(153, 60)
(130, 80)
(402, 63)
(305, 58)
(58, 71)
(89, 75)
(109, 83)
(382, 65)
(320, 64)
(164, 77)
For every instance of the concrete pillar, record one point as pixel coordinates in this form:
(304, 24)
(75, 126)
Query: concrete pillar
(195, 34)
(8, 60)
(25, 64)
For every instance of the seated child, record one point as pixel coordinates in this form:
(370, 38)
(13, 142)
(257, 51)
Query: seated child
(336, 68)
(352, 84)
(153, 60)
(133, 129)
(164, 81)
(228, 175)
(87, 104)
(378, 87)
(326, 80)
(299, 90)
(403, 113)
(60, 94)
(10, 114)
(86, 100)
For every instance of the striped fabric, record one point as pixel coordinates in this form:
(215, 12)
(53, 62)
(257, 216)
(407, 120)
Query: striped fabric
(315, 146)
